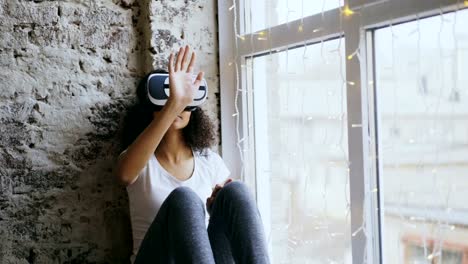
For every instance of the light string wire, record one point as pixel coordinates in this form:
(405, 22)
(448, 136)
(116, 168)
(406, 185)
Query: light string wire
(302, 130)
(250, 69)
(395, 122)
(396, 131)
(234, 9)
(442, 227)
(343, 115)
(270, 56)
(356, 54)
(287, 58)
(343, 87)
(452, 138)
(426, 109)
(436, 251)
(288, 132)
(324, 223)
(421, 89)
(437, 242)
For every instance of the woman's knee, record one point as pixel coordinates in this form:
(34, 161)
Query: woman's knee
(183, 197)
(236, 190)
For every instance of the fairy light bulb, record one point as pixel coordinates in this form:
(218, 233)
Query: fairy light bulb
(241, 37)
(301, 28)
(465, 2)
(347, 11)
(261, 35)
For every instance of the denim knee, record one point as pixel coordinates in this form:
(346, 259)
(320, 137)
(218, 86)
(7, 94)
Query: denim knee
(235, 190)
(183, 197)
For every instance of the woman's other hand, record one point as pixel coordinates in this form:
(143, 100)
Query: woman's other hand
(181, 86)
(216, 189)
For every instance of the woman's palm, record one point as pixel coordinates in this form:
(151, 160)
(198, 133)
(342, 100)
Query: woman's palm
(182, 87)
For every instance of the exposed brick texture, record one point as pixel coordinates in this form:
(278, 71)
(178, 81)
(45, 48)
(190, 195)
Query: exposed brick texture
(68, 72)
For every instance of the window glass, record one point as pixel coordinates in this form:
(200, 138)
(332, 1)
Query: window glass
(270, 13)
(301, 152)
(422, 103)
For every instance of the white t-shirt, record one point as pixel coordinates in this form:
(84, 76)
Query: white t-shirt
(153, 184)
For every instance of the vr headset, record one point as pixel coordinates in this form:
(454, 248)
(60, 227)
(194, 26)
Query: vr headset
(157, 86)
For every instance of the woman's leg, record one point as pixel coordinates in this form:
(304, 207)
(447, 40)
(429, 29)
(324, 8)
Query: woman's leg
(235, 227)
(178, 233)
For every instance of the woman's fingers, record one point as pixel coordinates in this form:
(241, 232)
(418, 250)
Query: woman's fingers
(198, 80)
(185, 57)
(227, 181)
(217, 187)
(192, 63)
(171, 63)
(215, 190)
(179, 59)
(209, 203)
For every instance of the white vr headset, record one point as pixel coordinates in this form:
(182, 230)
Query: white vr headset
(158, 91)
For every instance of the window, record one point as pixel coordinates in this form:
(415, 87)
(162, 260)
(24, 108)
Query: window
(422, 97)
(299, 105)
(349, 120)
(262, 14)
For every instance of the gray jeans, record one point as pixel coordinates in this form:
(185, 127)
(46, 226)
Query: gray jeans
(178, 233)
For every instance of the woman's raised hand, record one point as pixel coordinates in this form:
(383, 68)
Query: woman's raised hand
(182, 88)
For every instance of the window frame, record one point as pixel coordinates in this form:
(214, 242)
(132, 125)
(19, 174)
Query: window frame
(363, 144)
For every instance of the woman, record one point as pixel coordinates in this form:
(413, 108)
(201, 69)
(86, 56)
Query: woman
(168, 169)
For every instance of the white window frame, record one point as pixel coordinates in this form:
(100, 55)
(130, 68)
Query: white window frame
(357, 29)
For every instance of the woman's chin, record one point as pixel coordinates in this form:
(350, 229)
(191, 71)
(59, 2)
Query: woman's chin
(177, 125)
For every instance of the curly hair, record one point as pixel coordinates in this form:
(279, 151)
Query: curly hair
(199, 134)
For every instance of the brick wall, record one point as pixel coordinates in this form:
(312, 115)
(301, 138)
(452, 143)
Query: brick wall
(68, 72)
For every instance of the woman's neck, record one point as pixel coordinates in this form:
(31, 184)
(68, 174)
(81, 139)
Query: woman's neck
(173, 147)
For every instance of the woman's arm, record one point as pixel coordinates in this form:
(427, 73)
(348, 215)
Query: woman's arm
(181, 94)
(139, 152)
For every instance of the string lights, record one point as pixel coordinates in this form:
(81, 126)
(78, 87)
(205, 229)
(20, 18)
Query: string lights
(296, 123)
(347, 11)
